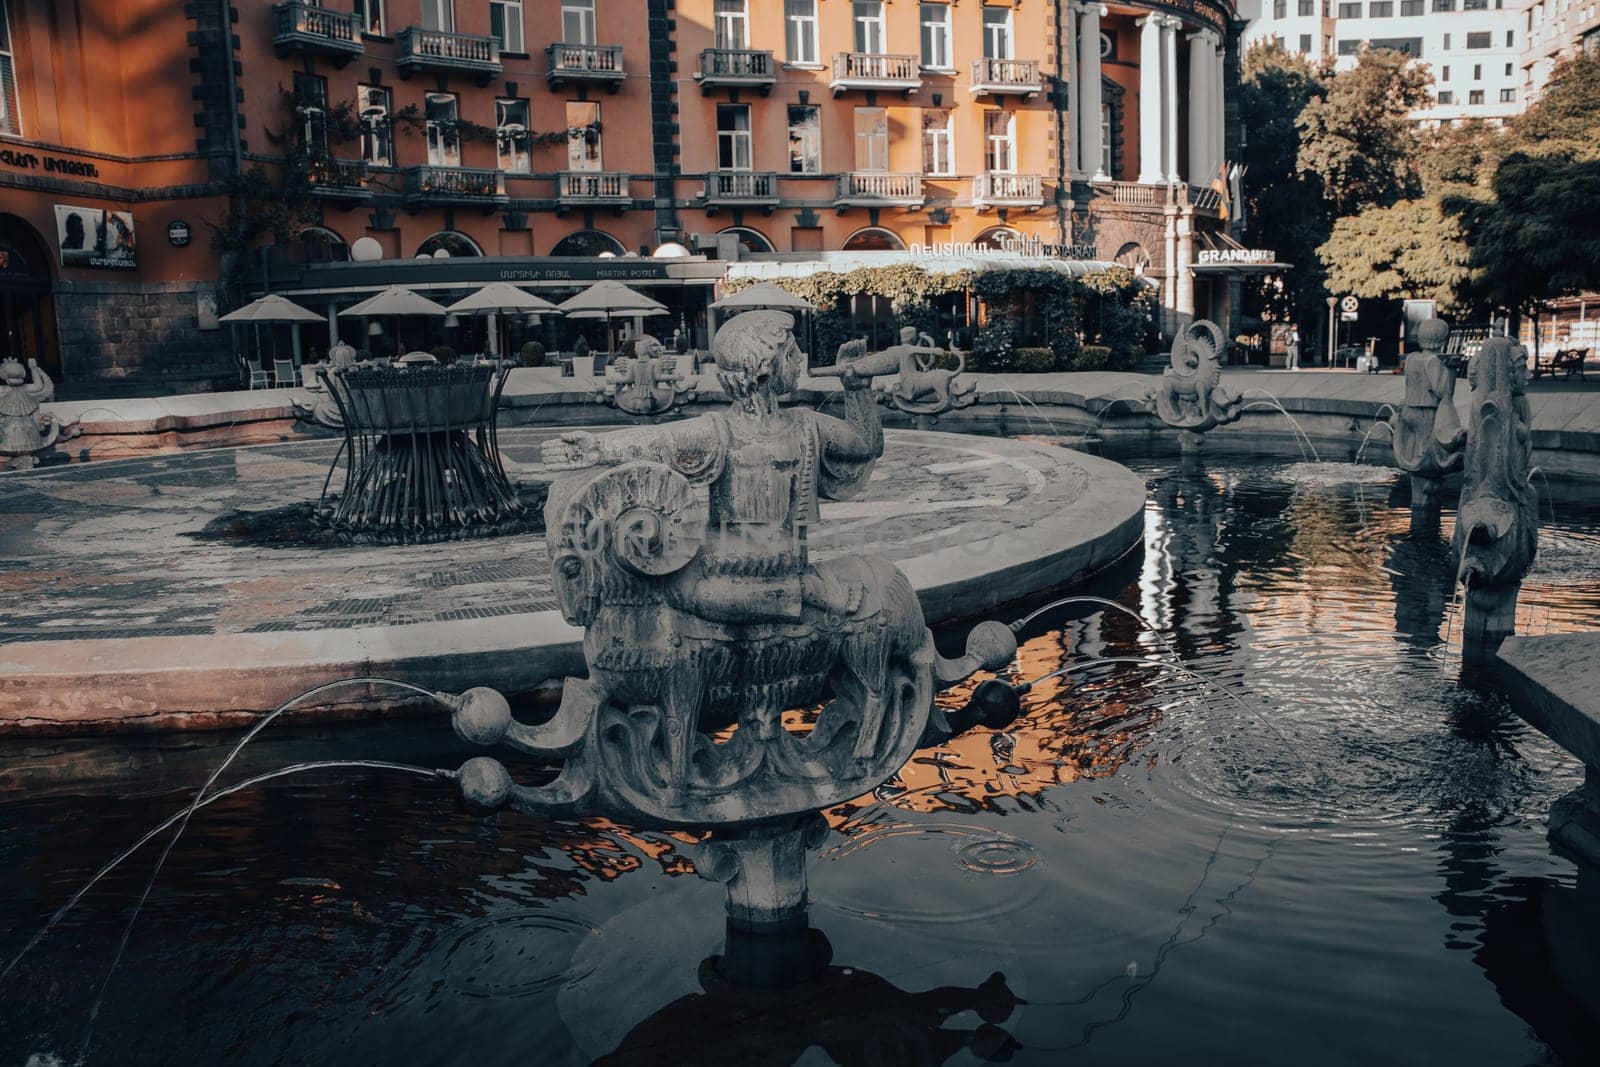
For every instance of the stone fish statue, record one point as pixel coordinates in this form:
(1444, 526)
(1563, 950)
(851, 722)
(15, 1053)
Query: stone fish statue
(681, 551)
(1497, 520)
(1190, 396)
(1428, 436)
(920, 386)
(25, 430)
(647, 381)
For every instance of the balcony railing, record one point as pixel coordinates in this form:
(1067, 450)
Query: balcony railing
(1133, 194)
(299, 26)
(875, 70)
(418, 49)
(997, 76)
(1152, 195)
(337, 179)
(735, 68)
(742, 188)
(455, 185)
(995, 189)
(862, 188)
(596, 63)
(588, 188)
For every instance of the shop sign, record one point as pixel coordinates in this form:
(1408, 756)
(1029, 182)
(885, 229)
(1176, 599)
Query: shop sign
(1017, 246)
(178, 233)
(95, 237)
(1236, 255)
(584, 269)
(49, 164)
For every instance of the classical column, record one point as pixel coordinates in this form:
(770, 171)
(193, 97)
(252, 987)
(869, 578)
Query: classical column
(1184, 289)
(1069, 73)
(1150, 168)
(1089, 93)
(1199, 107)
(1169, 96)
(1219, 112)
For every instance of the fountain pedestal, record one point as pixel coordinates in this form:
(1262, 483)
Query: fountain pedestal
(764, 869)
(1427, 500)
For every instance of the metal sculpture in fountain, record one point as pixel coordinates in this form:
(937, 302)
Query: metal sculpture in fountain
(681, 551)
(1497, 520)
(920, 386)
(1429, 440)
(26, 431)
(647, 381)
(1191, 397)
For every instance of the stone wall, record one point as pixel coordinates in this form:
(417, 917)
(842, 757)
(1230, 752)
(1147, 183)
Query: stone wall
(146, 330)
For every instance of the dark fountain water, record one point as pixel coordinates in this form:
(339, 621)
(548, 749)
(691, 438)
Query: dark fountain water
(1353, 869)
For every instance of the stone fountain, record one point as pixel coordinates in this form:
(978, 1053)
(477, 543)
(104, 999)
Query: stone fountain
(734, 685)
(920, 386)
(25, 431)
(1429, 440)
(1191, 397)
(1497, 520)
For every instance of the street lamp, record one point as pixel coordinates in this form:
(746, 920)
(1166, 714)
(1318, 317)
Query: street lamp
(1333, 325)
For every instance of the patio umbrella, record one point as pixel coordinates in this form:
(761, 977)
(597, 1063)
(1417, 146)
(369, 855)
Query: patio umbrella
(399, 302)
(270, 309)
(764, 295)
(605, 299)
(502, 298)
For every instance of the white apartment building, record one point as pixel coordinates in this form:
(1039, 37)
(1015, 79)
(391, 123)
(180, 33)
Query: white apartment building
(1475, 48)
(1553, 30)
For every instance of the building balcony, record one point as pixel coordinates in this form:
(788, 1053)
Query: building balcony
(417, 49)
(998, 77)
(593, 188)
(336, 179)
(874, 70)
(585, 64)
(736, 68)
(995, 189)
(1150, 196)
(741, 188)
(862, 188)
(303, 27)
(455, 185)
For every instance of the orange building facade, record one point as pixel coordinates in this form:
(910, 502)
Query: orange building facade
(440, 143)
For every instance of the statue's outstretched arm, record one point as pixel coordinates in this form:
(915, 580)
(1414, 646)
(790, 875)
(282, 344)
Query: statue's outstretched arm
(694, 449)
(849, 446)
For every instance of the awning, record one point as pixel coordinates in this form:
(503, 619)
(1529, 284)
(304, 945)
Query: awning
(791, 265)
(1218, 253)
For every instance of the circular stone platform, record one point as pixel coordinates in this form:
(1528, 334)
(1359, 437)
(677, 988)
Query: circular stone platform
(127, 604)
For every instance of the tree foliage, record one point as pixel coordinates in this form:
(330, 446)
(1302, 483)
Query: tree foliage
(1358, 137)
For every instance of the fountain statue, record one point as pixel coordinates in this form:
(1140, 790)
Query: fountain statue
(26, 431)
(1191, 398)
(1497, 520)
(711, 637)
(1428, 436)
(920, 386)
(647, 381)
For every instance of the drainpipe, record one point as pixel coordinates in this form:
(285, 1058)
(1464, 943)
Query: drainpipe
(1061, 103)
(234, 142)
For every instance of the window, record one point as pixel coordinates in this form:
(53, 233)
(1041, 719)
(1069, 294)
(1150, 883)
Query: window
(444, 135)
(1444, 73)
(936, 36)
(733, 136)
(454, 246)
(1307, 7)
(999, 142)
(511, 139)
(1410, 7)
(589, 243)
(732, 20)
(1477, 72)
(1475, 96)
(371, 13)
(1447, 42)
(800, 30)
(1444, 5)
(1508, 96)
(1280, 9)
(1106, 124)
(583, 149)
(439, 15)
(377, 138)
(311, 110)
(1349, 48)
(1479, 40)
(1508, 70)
(1381, 9)
(805, 139)
(1349, 11)
(1305, 43)
(938, 156)
(1511, 40)
(1474, 5)
(10, 116)
(997, 33)
(1446, 96)
(868, 16)
(1406, 46)
(505, 23)
(577, 22)
(872, 138)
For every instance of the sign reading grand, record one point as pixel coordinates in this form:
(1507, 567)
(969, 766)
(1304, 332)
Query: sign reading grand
(94, 237)
(1236, 255)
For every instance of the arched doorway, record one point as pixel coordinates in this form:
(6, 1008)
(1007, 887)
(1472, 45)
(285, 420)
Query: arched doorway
(454, 246)
(27, 311)
(874, 239)
(588, 243)
(750, 240)
(318, 244)
(1133, 256)
(996, 238)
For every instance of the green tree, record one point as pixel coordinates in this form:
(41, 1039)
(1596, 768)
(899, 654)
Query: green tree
(1358, 137)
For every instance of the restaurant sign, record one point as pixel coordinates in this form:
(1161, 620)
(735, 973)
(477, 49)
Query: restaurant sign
(1017, 246)
(1236, 255)
(585, 269)
(49, 164)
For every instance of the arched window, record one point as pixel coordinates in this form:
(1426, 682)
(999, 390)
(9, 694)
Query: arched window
(587, 243)
(451, 243)
(750, 240)
(27, 312)
(997, 237)
(874, 239)
(318, 244)
(1133, 256)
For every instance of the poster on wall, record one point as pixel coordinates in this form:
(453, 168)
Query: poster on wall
(93, 237)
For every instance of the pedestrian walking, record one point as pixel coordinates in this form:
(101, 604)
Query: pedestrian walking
(1293, 349)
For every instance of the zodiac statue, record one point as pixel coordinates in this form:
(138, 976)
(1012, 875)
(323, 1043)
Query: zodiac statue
(1497, 520)
(26, 431)
(647, 381)
(920, 385)
(1428, 436)
(1190, 397)
(681, 551)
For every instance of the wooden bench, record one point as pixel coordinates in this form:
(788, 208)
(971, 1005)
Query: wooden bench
(1567, 361)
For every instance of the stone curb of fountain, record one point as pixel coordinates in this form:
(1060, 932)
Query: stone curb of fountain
(96, 685)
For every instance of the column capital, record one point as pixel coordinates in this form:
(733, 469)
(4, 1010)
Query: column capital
(1091, 8)
(1171, 23)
